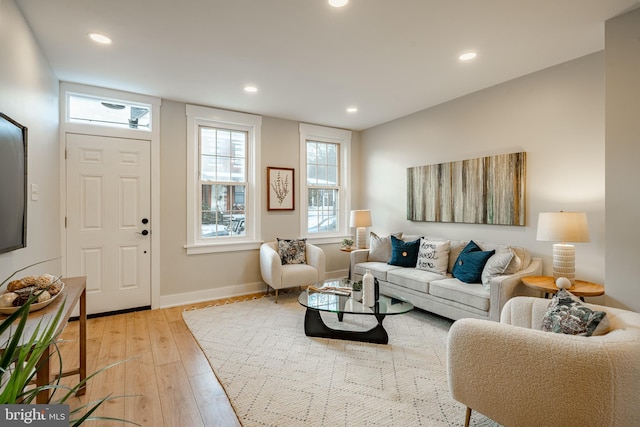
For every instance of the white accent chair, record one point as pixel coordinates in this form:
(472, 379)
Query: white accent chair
(278, 276)
(519, 375)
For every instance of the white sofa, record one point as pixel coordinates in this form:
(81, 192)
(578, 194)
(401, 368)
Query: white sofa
(444, 294)
(518, 375)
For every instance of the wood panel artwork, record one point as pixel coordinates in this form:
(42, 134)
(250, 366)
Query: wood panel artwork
(486, 190)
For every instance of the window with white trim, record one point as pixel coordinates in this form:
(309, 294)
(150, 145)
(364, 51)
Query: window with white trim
(223, 198)
(325, 155)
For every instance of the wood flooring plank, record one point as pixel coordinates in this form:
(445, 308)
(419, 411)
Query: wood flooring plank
(162, 343)
(193, 359)
(212, 401)
(112, 380)
(142, 404)
(138, 340)
(179, 407)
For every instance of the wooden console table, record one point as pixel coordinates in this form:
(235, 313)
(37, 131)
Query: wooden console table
(74, 291)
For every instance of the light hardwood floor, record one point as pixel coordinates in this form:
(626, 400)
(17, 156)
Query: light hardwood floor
(166, 379)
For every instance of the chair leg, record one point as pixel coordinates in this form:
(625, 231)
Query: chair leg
(276, 296)
(467, 417)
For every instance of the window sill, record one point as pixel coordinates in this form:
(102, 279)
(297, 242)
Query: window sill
(208, 248)
(322, 240)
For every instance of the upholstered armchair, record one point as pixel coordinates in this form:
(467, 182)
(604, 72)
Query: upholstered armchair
(279, 276)
(519, 375)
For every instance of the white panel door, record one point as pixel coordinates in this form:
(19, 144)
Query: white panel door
(108, 222)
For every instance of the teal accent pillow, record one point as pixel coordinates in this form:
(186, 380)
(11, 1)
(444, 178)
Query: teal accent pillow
(404, 254)
(470, 263)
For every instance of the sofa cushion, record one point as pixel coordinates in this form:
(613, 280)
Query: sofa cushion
(567, 315)
(404, 254)
(452, 289)
(380, 247)
(433, 256)
(470, 263)
(413, 278)
(496, 266)
(378, 269)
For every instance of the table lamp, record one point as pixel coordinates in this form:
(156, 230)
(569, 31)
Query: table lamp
(361, 219)
(563, 227)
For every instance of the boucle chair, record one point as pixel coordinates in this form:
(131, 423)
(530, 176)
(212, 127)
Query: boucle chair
(278, 276)
(518, 375)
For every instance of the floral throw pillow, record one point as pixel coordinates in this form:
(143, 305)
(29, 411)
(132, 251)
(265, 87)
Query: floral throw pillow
(567, 315)
(292, 251)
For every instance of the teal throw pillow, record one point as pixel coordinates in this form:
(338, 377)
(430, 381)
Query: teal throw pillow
(404, 254)
(470, 263)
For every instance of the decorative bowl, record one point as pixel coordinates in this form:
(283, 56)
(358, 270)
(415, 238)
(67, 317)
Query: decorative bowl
(35, 306)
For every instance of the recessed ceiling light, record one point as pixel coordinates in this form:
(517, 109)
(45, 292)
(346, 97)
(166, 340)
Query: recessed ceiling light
(100, 38)
(250, 89)
(467, 56)
(352, 110)
(338, 3)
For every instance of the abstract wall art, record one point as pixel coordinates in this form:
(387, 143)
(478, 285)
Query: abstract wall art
(486, 190)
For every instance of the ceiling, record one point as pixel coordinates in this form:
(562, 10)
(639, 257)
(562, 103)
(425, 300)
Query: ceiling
(310, 61)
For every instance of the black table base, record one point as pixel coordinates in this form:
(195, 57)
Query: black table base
(314, 326)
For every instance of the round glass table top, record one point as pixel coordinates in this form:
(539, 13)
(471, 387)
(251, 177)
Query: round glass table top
(330, 296)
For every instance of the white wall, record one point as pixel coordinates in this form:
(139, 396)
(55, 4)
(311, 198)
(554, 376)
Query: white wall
(29, 95)
(622, 44)
(186, 278)
(555, 115)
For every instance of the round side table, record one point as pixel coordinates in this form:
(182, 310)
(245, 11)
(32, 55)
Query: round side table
(547, 284)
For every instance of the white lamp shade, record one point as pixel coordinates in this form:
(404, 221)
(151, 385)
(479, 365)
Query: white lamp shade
(360, 218)
(563, 227)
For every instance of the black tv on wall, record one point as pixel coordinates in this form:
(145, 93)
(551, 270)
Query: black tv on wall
(13, 184)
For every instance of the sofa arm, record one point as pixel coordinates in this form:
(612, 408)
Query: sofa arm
(270, 266)
(518, 376)
(503, 288)
(356, 257)
(316, 259)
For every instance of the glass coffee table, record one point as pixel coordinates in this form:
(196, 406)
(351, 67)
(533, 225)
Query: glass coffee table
(317, 302)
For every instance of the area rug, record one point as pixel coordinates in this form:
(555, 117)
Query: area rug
(274, 375)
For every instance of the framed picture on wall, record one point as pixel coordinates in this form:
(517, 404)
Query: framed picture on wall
(280, 189)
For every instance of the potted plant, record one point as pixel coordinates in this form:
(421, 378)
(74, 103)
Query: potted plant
(347, 243)
(356, 290)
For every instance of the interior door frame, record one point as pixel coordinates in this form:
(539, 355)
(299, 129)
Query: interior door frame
(153, 136)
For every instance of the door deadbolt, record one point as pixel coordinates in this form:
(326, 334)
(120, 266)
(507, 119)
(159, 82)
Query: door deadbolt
(145, 221)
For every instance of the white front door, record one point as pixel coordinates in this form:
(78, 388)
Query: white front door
(108, 220)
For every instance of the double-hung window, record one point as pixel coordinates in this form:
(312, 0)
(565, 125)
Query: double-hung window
(224, 194)
(325, 155)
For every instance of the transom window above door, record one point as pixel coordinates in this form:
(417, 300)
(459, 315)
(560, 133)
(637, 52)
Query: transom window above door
(108, 112)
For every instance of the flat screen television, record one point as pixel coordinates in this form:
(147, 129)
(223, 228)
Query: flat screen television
(13, 184)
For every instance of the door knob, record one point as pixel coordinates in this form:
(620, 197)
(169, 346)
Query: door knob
(144, 232)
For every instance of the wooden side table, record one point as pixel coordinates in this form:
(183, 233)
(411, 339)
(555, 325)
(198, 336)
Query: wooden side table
(74, 291)
(547, 284)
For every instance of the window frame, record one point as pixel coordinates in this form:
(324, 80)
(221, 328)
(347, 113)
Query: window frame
(341, 137)
(215, 118)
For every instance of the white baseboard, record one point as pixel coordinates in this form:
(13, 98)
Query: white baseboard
(186, 298)
(167, 301)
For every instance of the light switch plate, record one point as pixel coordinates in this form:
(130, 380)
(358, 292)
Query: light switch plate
(34, 192)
